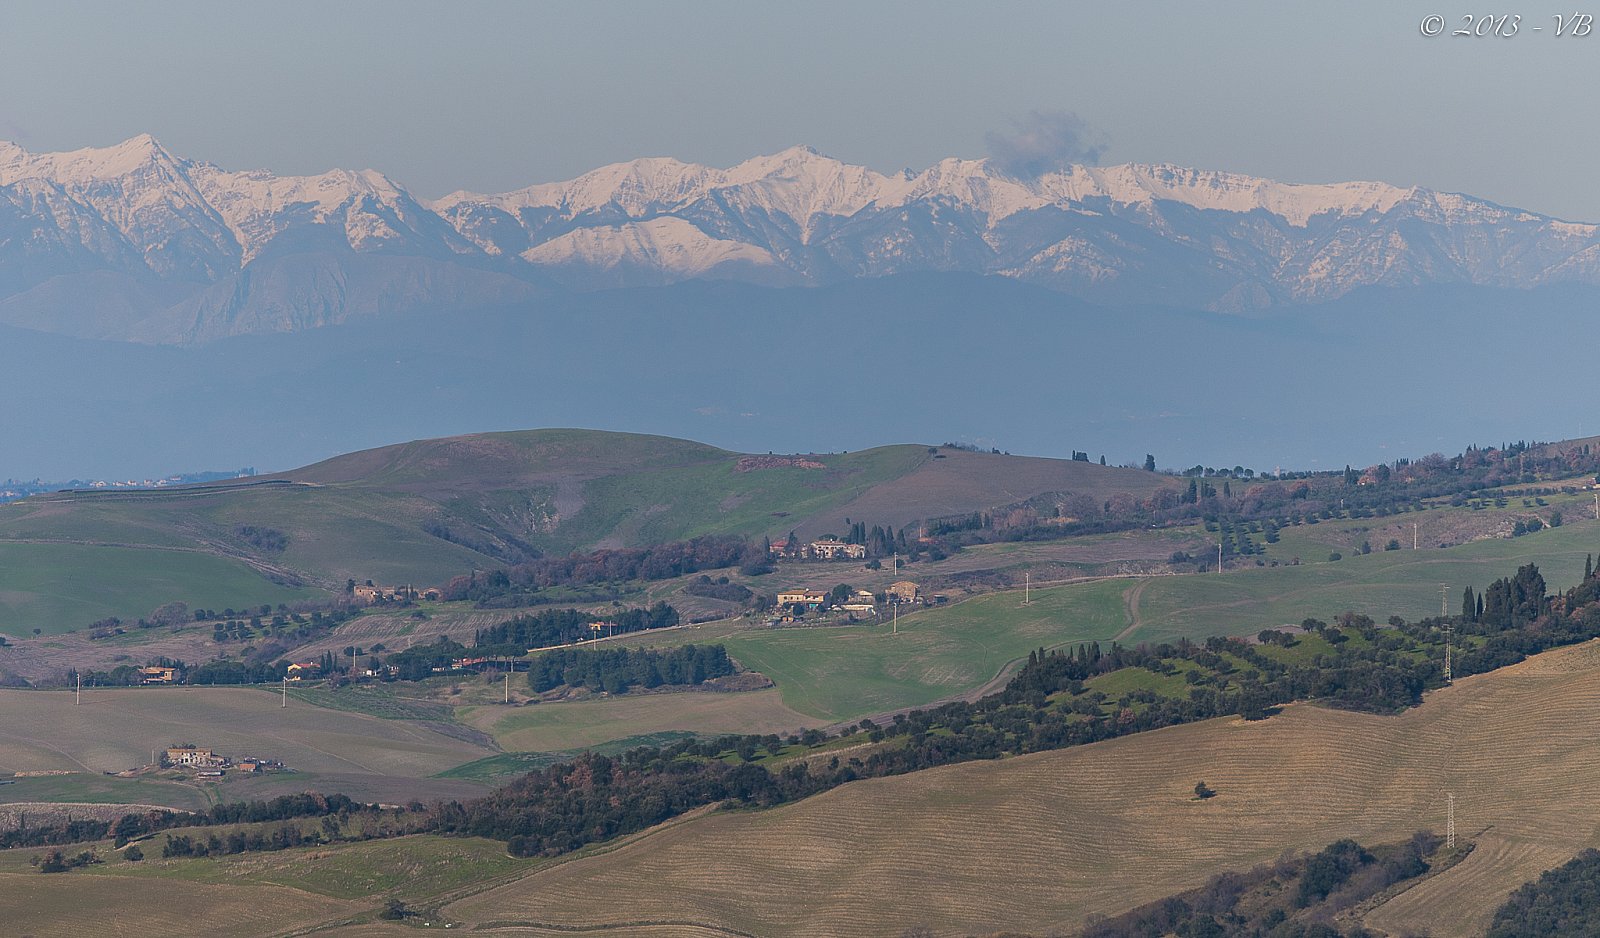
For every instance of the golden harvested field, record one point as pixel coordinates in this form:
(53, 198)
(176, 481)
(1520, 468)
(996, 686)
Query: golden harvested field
(46, 906)
(577, 724)
(1037, 843)
(115, 729)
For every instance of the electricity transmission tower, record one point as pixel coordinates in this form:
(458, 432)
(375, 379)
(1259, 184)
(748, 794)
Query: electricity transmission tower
(1449, 631)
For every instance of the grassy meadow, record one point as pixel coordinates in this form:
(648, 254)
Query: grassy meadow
(61, 587)
(1384, 583)
(581, 724)
(846, 672)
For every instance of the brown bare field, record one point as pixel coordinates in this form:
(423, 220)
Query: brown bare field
(1037, 843)
(115, 729)
(45, 906)
(577, 724)
(50, 658)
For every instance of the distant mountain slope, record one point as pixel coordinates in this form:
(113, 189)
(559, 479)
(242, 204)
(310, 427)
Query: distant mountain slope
(426, 510)
(958, 482)
(131, 242)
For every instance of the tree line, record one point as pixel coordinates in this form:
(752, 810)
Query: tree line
(1294, 897)
(565, 626)
(519, 585)
(615, 670)
(134, 825)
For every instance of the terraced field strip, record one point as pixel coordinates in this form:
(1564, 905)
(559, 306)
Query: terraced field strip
(1037, 843)
(572, 725)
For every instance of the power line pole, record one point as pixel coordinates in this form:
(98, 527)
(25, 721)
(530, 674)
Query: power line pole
(77, 697)
(284, 701)
(1413, 535)
(1450, 821)
(1027, 587)
(1219, 554)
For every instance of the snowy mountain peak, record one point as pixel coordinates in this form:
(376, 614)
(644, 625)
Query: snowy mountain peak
(85, 165)
(251, 250)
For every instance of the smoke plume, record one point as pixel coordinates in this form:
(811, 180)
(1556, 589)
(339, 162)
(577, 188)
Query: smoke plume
(1045, 141)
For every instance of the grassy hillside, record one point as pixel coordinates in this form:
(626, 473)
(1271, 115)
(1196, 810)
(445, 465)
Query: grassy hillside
(1400, 582)
(424, 511)
(1036, 843)
(57, 587)
(843, 673)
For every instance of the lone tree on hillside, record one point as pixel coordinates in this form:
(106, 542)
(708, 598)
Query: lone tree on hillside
(1202, 791)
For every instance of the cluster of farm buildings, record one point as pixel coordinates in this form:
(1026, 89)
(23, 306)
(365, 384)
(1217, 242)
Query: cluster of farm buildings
(859, 602)
(824, 549)
(210, 764)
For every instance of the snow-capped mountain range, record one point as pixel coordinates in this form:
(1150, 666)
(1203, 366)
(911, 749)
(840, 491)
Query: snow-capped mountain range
(132, 242)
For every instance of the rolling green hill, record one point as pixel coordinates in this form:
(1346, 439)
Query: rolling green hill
(423, 511)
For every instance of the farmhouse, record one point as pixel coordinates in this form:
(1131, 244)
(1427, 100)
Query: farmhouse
(301, 670)
(831, 549)
(393, 594)
(157, 675)
(811, 599)
(193, 757)
(904, 591)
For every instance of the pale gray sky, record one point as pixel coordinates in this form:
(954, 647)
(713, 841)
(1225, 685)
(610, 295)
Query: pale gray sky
(495, 95)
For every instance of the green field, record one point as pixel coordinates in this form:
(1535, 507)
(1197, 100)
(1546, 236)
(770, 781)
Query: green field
(849, 671)
(581, 724)
(61, 587)
(1403, 582)
(843, 672)
(408, 868)
(95, 788)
